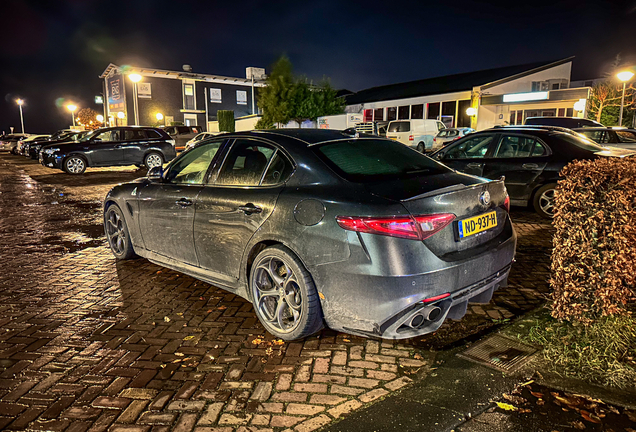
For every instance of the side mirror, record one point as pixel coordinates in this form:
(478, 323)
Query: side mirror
(155, 173)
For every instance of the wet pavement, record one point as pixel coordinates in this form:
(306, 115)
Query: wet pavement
(89, 343)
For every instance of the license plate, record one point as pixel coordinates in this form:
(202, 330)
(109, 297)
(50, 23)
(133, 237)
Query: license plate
(477, 224)
(393, 138)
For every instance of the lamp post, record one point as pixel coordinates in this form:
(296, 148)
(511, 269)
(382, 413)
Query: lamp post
(72, 109)
(135, 78)
(623, 76)
(20, 102)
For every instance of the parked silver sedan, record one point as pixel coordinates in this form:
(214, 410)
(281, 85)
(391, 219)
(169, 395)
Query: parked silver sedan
(446, 136)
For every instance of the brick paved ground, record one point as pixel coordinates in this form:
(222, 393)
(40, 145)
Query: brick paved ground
(88, 343)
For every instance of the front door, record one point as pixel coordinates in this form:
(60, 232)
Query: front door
(469, 154)
(167, 207)
(105, 149)
(236, 203)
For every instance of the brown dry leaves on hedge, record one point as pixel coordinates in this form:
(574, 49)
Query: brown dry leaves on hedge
(594, 256)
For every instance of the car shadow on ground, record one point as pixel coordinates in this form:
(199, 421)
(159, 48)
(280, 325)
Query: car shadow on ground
(90, 178)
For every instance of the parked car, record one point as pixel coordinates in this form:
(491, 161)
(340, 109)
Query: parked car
(24, 141)
(198, 138)
(377, 128)
(31, 149)
(182, 134)
(446, 136)
(112, 146)
(531, 160)
(317, 227)
(415, 133)
(10, 141)
(616, 137)
(566, 122)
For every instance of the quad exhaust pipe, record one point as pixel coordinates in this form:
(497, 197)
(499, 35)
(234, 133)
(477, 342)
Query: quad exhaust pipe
(429, 313)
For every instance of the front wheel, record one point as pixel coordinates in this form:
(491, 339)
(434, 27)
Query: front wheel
(284, 294)
(75, 165)
(543, 201)
(117, 233)
(152, 160)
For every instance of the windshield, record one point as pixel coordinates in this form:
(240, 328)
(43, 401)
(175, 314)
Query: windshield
(626, 136)
(582, 142)
(368, 160)
(88, 136)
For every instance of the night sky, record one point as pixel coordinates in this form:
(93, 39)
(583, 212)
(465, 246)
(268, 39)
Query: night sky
(57, 49)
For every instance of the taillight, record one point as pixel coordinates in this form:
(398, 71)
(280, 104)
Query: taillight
(506, 204)
(408, 227)
(410, 137)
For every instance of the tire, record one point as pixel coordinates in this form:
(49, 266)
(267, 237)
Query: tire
(277, 298)
(117, 233)
(543, 200)
(421, 147)
(153, 159)
(75, 165)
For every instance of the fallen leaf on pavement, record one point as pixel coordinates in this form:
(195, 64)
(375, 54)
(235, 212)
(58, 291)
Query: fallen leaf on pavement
(536, 394)
(506, 407)
(578, 425)
(166, 319)
(188, 338)
(590, 417)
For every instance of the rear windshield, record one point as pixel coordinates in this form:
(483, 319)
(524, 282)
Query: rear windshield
(581, 142)
(626, 136)
(400, 126)
(368, 160)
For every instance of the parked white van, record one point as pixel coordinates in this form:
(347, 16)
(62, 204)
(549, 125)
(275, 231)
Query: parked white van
(416, 133)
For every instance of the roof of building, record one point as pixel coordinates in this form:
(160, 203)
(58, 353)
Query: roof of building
(450, 83)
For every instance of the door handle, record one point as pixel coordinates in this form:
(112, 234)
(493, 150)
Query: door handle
(473, 165)
(183, 202)
(250, 208)
(530, 166)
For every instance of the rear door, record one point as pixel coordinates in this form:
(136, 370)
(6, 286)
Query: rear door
(134, 145)
(521, 159)
(236, 203)
(399, 131)
(469, 154)
(166, 208)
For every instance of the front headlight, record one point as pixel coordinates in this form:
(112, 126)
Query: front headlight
(50, 151)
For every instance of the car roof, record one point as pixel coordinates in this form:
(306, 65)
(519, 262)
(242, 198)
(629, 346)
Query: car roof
(307, 136)
(598, 128)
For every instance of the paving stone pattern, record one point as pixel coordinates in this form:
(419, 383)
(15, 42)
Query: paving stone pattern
(88, 343)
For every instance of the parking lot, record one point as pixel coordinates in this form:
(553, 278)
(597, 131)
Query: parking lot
(89, 343)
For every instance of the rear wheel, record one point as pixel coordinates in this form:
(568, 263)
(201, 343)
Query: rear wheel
(284, 294)
(75, 165)
(543, 201)
(117, 233)
(153, 159)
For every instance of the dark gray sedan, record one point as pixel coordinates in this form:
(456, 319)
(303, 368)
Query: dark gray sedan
(317, 227)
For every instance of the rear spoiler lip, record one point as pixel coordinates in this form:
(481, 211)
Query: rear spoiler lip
(452, 188)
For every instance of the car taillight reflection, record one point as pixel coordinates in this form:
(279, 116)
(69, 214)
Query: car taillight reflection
(408, 227)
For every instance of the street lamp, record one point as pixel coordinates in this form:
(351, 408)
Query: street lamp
(623, 76)
(99, 118)
(135, 78)
(471, 112)
(20, 102)
(72, 109)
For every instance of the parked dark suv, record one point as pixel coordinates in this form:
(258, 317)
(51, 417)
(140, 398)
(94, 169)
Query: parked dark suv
(127, 145)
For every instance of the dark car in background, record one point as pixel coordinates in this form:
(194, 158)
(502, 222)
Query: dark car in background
(182, 134)
(306, 224)
(113, 146)
(566, 122)
(614, 136)
(31, 149)
(529, 158)
(17, 150)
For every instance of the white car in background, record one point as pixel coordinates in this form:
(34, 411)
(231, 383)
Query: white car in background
(199, 137)
(17, 150)
(415, 133)
(447, 136)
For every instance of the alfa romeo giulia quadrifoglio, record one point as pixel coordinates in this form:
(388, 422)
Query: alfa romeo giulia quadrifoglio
(320, 228)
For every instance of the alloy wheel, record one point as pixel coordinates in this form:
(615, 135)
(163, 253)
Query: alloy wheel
(277, 294)
(116, 232)
(153, 160)
(75, 165)
(546, 202)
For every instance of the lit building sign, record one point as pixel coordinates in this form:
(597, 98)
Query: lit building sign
(523, 97)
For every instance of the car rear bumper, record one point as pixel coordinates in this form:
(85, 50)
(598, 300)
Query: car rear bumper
(385, 305)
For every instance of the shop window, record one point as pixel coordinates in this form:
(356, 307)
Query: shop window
(378, 114)
(463, 119)
(448, 113)
(513, 117)
(433, 110)
(417, 111)
(367, 115)
(391, 113)
(403, 112)
(519, 117)
(569, 112)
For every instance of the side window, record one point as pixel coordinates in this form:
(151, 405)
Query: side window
(512, 146)
(440, 126)
(245, 163)
(134, 134)
(626, 136)
(192, 167)
(171, 130)
(153, 134)
(539, 149)
(475, 147)
(596, 135)
(110, 135)
(278, 171)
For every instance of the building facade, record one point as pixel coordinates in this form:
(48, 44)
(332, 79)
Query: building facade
(163, 97)
(500, 96)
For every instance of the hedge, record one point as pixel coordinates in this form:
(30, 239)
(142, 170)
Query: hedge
(594, 256)
(226, 120)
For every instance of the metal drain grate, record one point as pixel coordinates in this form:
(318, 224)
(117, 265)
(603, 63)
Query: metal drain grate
(499, 352)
